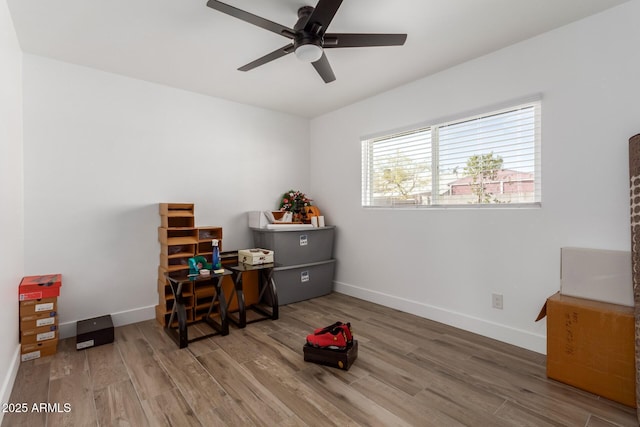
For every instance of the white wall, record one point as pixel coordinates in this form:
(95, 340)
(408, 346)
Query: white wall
(101, 151)
(444, 264)
(11, 213)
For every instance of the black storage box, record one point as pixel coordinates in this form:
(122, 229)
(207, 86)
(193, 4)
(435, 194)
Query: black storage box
(94, 332)
(341, 359)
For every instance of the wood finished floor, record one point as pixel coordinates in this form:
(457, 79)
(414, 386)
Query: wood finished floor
(409, 371)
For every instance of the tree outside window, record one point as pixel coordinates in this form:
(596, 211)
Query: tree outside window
(483, 169)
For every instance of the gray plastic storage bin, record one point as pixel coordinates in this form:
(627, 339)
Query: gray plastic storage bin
(295, 247)
(301, 282)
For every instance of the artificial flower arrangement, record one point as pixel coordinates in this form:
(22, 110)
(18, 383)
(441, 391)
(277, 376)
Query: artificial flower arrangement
(294, 201)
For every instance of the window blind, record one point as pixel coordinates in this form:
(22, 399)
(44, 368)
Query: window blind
(397, 168)
(493, 158)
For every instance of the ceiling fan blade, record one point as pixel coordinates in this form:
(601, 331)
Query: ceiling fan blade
(335, 40)
(322, 16)
(251, 18)
(323, 68)
(278, 53)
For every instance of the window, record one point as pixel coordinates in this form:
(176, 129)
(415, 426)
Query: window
(489, 159)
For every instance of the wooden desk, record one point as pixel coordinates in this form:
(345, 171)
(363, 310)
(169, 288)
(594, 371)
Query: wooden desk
(267, 306)
(220, 324)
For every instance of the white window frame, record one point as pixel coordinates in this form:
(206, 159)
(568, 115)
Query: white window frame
(367, 158)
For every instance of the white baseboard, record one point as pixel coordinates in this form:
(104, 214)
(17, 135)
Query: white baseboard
(68, 329)
(497, 331)
(9, 379)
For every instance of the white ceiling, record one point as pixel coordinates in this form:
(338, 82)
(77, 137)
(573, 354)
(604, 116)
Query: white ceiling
(185, 44)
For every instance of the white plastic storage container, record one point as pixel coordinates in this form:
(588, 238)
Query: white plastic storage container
(295, 247)
(300, 282)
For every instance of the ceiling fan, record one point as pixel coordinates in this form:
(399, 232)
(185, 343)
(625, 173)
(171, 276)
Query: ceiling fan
(309, 35)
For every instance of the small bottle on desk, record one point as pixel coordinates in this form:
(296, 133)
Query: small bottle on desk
(215, 258)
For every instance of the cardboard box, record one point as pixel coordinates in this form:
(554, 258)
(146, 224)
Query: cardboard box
(38, 350)
(44, 333)
(38, 321)
(597, 274)
(38, 287)
(591, 345)
(255, 256)
(33, 306)
(94, 332)
(37, 316)
(341, 359)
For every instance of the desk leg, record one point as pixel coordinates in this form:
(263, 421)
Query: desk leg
(182, 326)
(223, 326)
(222, 306)
(274, 297)
(267, 282)
(237, 291)
(242, 312)
(180, 336)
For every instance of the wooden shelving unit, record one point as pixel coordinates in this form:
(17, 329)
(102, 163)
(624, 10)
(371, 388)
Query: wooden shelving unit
(180, 239)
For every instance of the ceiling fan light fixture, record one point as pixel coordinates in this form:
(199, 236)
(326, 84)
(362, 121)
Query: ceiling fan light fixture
(308, 52)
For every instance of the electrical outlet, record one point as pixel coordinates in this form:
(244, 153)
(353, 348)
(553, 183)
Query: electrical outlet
(496, 301)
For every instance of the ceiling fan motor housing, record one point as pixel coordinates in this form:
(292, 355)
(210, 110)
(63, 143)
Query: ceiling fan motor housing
(307, 44)
(303, 37)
